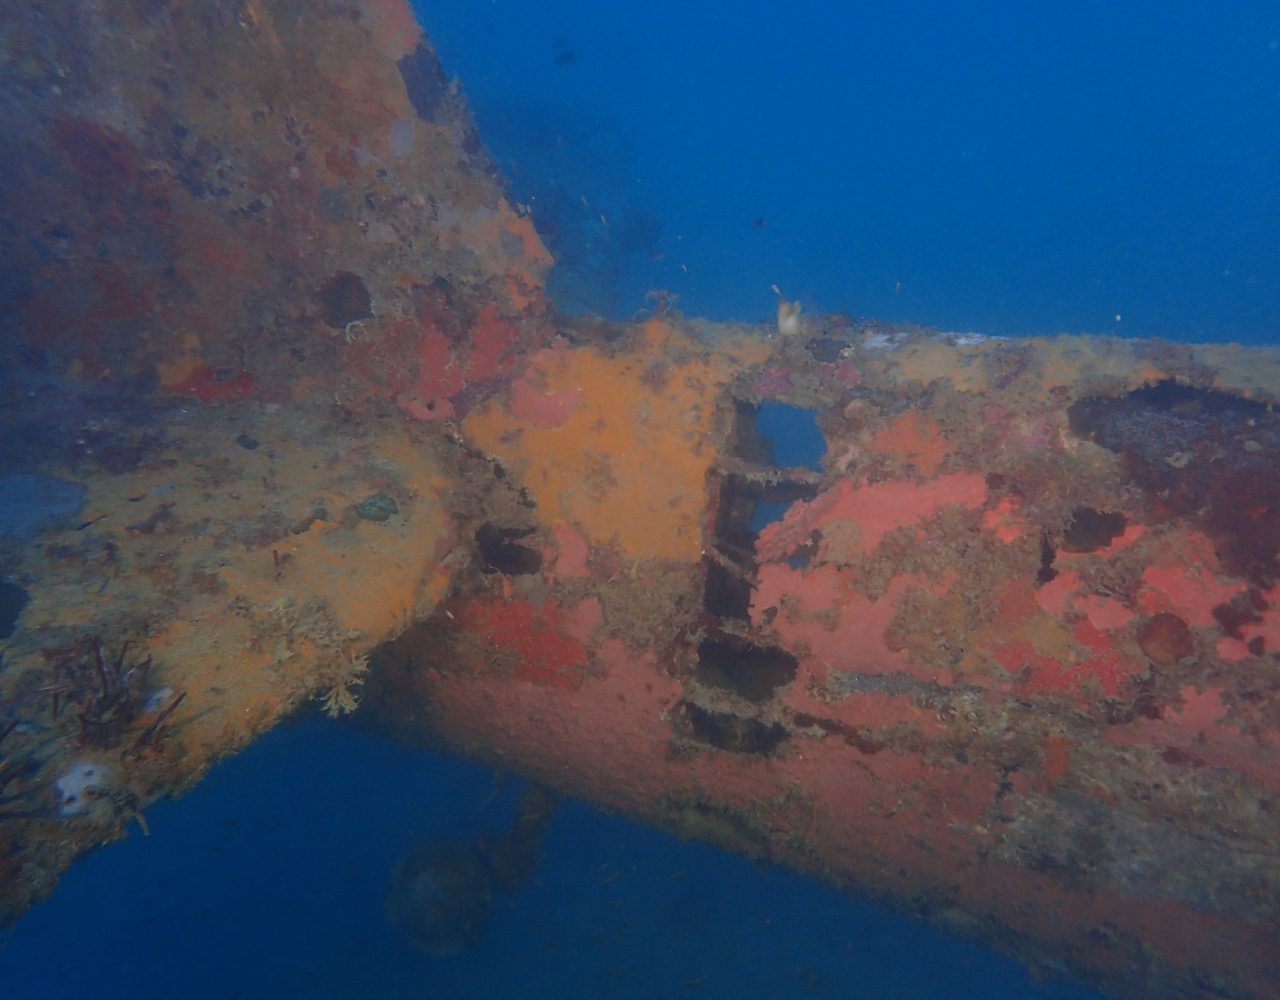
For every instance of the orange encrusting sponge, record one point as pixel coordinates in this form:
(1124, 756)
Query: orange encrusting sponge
(588, 431)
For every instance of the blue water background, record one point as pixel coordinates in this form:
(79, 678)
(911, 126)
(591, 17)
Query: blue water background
(1005, 167)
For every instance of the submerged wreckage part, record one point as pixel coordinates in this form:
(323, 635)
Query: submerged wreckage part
(1011, 655)
(996, 640)
(244, 291)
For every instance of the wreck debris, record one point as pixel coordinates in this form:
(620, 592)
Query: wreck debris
(443, 892)
(965, 620)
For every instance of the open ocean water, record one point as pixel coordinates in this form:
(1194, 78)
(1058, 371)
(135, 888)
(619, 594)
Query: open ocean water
(1006, 168)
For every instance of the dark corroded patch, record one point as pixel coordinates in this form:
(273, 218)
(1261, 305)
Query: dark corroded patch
(501, 553)
(852, 735)
(344, 299)
(1091, 530)
(1203, 455)
(749, 670)
(424, 82)
(734, 733)
(726, 594)
(12, 600)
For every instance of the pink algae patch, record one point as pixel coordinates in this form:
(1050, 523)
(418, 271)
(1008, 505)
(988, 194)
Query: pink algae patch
(773, 382)
(1055, 596)
(581, 619)
(1005, 520)
(439, 377)
(1061, 595)
(1189, 591)
(395, 29)
(1108, 666)
(914, 438)
(546, 410)
(1104, 613)
(1232, 650)
(847, 374)
(876, 509)
(818, 611)
(492, 346)
(571, 551)
(1184, 579)
(1199, 713)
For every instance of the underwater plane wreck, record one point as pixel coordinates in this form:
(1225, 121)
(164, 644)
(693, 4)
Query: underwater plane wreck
(289, 418)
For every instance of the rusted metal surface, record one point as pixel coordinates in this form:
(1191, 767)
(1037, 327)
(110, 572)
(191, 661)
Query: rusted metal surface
(1006, 654)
